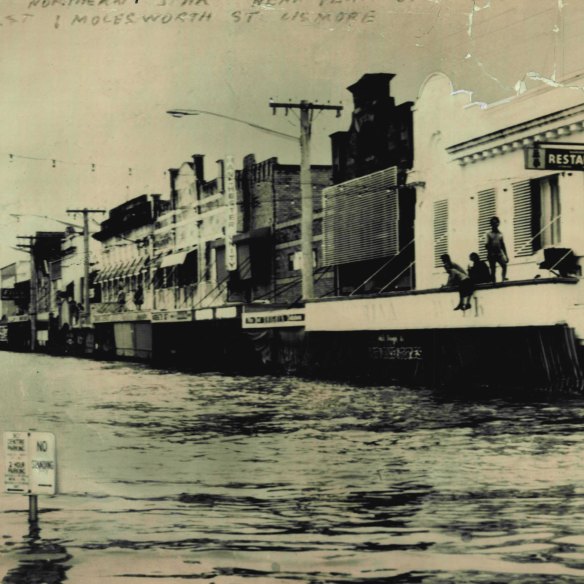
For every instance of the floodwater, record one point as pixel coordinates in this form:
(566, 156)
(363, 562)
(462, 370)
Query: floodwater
(168, 477)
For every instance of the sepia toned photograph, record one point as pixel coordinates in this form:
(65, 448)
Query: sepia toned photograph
(290, 291)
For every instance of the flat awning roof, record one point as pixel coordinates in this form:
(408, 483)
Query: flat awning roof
(173, 259)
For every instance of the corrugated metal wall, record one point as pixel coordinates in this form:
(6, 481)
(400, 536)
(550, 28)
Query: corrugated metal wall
(361, 219)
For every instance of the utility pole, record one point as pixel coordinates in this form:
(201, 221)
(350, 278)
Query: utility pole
(307, 198)
(85, 212)
(32, 310)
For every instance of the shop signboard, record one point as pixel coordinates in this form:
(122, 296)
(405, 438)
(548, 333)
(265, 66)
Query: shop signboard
(231, 219)
(554, 157)
(172, 316)
(11, 294)
(226, 312)
(18, 318)
(126, 316)
(273, 318)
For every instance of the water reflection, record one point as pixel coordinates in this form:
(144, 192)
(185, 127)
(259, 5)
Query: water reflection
(282, 480)
(40, 560)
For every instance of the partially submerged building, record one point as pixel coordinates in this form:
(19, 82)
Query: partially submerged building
(473, 162)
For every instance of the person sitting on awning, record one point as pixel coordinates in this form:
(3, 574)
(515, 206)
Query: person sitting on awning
(478, 271)
(459, 278)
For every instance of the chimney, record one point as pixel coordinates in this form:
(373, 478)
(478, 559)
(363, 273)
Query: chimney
(173, 174)
(198, 161)
(372, 87)
(221, 176)
(154, 206)
(248, 161)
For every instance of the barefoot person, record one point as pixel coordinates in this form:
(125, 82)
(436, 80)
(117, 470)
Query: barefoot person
(496, 250)
(459, 278)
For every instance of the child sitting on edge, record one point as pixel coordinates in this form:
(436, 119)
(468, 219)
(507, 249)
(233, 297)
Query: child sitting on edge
(478, 271)
(459, 278)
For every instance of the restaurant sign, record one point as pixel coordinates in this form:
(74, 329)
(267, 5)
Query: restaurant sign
(550, 158)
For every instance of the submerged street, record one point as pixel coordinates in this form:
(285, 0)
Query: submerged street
(167, 477)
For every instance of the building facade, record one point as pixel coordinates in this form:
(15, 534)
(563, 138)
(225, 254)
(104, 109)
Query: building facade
(369, 212)
(521, 160)
(476, 169)
(226, 243)
(126, 279)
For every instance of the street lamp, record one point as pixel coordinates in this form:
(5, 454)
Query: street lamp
(180, 113)
(17, 216)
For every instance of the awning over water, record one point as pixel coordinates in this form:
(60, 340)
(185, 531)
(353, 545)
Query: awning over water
(174, 259)
(103, 274)
(121, 269)
(137, 265)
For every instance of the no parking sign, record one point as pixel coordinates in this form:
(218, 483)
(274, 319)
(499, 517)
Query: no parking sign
(30, 466)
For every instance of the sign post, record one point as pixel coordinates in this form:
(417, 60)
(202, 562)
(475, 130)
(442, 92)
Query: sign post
(30, 466)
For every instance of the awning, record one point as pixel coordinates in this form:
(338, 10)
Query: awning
(103, 274)
(260, 233)
(174, 259)
(117, 270)
(137, 266)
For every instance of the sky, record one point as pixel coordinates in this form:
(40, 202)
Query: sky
(85, 84)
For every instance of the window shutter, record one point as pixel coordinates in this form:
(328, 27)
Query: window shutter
(522, 218)
(487, 209)
(440, 230)
(361, 219)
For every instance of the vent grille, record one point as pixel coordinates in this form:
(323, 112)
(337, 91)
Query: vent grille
(361, 219)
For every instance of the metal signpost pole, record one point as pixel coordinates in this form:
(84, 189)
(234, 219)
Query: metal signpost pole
(33, 508)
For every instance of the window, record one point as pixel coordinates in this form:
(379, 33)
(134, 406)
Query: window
(440, 230)
(487, 210)
(547, 194)
(536, 221)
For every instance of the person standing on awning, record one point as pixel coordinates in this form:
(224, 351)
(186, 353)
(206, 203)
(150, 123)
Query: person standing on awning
(496, 250)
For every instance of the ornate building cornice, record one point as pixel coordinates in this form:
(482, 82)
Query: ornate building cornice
(519, 136)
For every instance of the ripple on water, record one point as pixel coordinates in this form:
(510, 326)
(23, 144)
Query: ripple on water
(261, 479)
